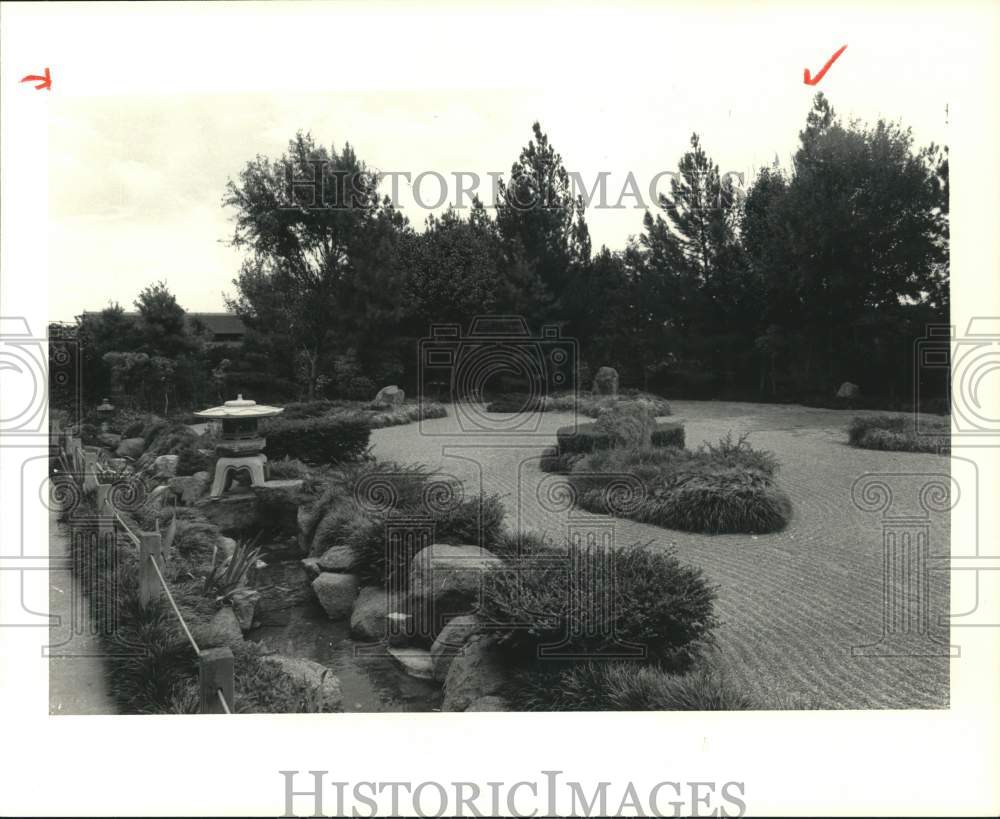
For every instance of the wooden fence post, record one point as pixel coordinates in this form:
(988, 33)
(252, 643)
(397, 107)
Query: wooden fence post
(215, 673)
(105, 514)
(150, 549)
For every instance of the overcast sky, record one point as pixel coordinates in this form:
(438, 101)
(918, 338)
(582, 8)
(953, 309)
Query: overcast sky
(136, 182)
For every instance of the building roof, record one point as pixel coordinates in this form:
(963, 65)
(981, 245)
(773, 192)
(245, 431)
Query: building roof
(220, 323)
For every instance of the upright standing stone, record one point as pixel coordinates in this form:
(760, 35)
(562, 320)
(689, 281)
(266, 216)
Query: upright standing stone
(606, 381)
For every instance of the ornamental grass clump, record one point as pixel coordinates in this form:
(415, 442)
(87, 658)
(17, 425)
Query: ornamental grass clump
(612, 685)
(588, 601)
(900, 433)
(362, 502)
(723, 488)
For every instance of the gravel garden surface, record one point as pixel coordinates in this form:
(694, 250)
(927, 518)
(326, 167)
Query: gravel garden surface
(793, 604)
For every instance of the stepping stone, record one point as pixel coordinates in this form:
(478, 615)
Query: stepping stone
(414, 661)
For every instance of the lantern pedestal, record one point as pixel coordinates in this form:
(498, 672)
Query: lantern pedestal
(230, 467)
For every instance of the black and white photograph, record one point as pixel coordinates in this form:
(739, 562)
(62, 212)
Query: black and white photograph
(436, 372)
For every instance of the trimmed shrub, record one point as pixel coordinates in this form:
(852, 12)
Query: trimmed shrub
(668, 433)
(288, 469)
(586, 438)
(552, 461)
(584, 404)
(626, 686)
(515, 403)
(725, 488)
(318, 440)
(899, 433)
(375, 416)
(655, 602)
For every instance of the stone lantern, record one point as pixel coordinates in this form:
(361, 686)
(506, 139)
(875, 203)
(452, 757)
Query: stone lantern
(104, 411)
(241, 447)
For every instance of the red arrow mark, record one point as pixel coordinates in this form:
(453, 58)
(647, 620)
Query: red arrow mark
(810, 80)
(45, 82)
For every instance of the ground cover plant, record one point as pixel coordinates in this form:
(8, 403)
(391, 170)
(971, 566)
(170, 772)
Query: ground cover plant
(721, 488)
(622, 685)
(377, 415)
(588, 601)
(900, 433)
(151, 665)
(360, 500)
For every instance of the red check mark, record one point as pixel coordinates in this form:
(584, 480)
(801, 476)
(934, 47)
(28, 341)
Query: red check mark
(808, 79)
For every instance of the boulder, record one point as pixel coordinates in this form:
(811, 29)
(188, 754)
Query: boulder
(477, 672)
(390, 396)
(282, 586)
(131, 448)
(450, 642)
(222, 630)
(848, 390)
(490, 702)
(189, 488)
(244, 603)
(337, 559)
(606, 381)
(233, 514)
(311, 565)
(227, 546)
(336, 593)
(109, 440)
(445, 580)
(414, 661)
(368, 618)
(399, 628)
(342, 515)
(324, 683)
(165, 466)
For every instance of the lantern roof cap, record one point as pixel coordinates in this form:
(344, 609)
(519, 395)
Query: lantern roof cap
(240, 407)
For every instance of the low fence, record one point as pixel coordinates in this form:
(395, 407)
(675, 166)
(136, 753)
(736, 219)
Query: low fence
(216, 666)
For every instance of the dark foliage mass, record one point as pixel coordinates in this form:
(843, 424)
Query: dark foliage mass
(575, 601)
(779, 289)
(318, 440)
